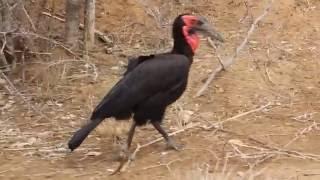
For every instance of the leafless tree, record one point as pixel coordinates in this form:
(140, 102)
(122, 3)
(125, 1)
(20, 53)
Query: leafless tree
(6, 16)
(72, 21)
(89, 24)
(6, 49)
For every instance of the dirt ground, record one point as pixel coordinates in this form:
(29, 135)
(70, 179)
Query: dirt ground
(278, 70)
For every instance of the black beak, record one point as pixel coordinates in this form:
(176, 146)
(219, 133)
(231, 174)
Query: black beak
(204, 27)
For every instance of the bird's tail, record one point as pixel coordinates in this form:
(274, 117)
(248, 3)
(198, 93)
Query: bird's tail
(82, 133)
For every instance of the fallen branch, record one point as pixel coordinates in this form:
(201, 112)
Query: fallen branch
(44, 38)
(269, 151)
(217, 124)
(231, 60)
(1, 172)
(167, 165)
(100, 34)
(304, 131)
(294, 153)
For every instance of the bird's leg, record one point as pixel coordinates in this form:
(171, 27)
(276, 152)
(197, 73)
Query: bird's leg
(130, 134)
(124, 153)
(169, 140)
(126, 147)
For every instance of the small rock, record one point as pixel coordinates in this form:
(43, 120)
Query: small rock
(2, 102)
(236, 142)
(61, 149)
(207, 56)
(219, 89)
(59, 104)
(253, 42)
(240, 173)
(6, 106)
(93, 153)
(186, 116)
(19, 145)
(32, 140)
(108, 50)
(69, 116)
(207, 115)
(164, 153)
(122, 63)
(115, 68)
(49, 103)
(2, 82)
(110, 170)
(45, 134)
(137, 46)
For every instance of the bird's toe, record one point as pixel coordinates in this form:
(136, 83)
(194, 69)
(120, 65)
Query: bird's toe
(171, 144)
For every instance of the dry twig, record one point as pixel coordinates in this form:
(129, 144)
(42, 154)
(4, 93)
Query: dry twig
(247, 12)
(302, 132)
(16, 91)
(100, 34)
(217, 124)
(167, 165)
(231, 60)
(216, 52)
(269, 151)
(281, 151)
(2, 56)
(28, 17)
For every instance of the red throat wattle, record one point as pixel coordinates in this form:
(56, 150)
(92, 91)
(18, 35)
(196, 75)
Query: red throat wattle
(192, 39)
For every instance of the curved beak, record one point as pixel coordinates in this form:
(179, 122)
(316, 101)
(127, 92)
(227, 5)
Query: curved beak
(204, 27)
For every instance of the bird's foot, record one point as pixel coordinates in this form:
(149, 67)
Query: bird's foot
(124, 152)
(171, 144)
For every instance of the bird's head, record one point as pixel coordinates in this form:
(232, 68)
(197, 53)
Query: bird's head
(190, 25)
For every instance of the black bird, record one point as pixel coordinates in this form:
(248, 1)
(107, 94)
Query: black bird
(151, 83)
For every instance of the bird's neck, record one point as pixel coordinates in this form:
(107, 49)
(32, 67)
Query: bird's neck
(181, 44)
(182, 48)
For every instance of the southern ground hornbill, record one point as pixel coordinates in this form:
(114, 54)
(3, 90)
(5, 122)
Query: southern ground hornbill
(151, 83)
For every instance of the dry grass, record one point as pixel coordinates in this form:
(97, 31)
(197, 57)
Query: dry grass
(206, 172)
(111, 128)
(286, 128)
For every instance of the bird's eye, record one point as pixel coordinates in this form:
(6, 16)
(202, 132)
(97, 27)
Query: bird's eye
(199, 23)
(193, 21)
(191, 31)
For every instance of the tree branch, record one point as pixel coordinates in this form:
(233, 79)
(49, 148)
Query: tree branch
(231, 60)
(102, 36)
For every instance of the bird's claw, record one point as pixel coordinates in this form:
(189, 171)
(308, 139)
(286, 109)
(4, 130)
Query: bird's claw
(123, 157)
(171, 144)
(124, 152)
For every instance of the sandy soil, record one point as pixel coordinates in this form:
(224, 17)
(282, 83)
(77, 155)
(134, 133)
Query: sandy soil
(279, 66)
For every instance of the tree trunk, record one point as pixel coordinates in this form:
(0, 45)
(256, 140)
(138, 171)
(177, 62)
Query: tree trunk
(72, 21)
(89, 24)
(6, 26)
(6, 16)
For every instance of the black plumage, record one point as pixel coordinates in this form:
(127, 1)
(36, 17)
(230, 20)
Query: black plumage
(148, 86)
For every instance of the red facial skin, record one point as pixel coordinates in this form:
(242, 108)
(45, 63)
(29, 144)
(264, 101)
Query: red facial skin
(192, 39)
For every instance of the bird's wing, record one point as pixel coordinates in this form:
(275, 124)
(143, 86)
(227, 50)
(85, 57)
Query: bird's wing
(149, 78)
(134, 62)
